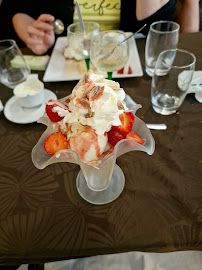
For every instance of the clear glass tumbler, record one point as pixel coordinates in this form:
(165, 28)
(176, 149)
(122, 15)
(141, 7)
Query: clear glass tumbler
(13, 68)
(105, 55)
(163, 35)
(172, 77)
(79, 42)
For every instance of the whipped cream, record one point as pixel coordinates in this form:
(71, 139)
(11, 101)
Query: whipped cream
(99, 111)
(71, 53)
(105, 110)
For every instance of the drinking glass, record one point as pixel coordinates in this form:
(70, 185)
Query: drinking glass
(172, 77)
(13, 68)
(103, 55)
(79, 42)
(163, 35)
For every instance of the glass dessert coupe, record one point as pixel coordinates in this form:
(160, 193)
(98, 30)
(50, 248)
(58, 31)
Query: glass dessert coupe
(105, 54)
(104, 182)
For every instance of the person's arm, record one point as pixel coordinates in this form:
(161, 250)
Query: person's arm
(187, 15)
(145, 8)
(21, 22)
(37, 34)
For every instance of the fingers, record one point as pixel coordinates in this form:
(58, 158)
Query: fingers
(44, 26)
(38, 49)
(46, 18)
(35, 32)
(40, 34)
(44, 22)
(38, 46)
(34, 41)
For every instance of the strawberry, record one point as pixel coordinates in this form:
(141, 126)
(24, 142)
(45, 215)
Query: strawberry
(135, 137)
(121, 71)
(53, 116)
(55, 142)
(127, 120)
(114, 137)
(129, 70)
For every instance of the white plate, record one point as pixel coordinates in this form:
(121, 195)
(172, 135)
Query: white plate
(16, 114)
(60, 69)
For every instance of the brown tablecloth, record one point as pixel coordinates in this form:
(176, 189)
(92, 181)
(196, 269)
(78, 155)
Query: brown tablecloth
(43, 218)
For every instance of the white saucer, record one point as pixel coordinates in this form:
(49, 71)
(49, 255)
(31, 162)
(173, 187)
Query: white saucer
(19, 115)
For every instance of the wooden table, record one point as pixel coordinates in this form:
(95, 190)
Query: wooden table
(43, 218)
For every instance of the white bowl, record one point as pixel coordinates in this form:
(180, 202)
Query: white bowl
(31, 92)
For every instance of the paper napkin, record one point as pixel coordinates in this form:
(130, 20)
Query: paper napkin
(196, 85)
(34, 62)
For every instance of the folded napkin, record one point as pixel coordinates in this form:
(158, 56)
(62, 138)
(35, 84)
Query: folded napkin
(34, 62)
(196, 85)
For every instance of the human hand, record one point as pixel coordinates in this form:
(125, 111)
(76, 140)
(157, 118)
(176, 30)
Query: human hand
(40, 34)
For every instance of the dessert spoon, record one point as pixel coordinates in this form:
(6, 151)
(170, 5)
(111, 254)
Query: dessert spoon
(85, 42)
(58, 26)
(119, 44)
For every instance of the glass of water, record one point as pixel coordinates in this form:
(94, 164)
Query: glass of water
(172, 77)
(163, 35)
(13, 68)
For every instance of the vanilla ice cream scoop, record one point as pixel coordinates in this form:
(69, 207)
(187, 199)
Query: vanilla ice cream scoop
(88, 145)
(97, 103)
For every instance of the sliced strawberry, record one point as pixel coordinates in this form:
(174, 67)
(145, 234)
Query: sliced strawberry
(127, 120)
(129, 70)
(121, 71)
(53, 116)
(135, 137)
(55, 142)
(114, 137)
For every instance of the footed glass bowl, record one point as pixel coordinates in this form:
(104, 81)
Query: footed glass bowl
(104, 182)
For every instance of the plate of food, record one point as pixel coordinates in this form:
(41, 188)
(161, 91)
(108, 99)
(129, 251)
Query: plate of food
(61, 68)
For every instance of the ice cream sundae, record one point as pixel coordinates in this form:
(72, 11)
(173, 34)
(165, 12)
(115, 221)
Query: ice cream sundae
(92, 120)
